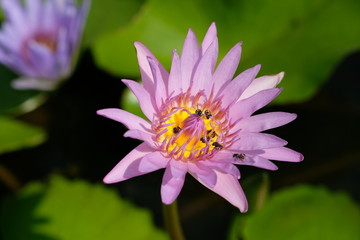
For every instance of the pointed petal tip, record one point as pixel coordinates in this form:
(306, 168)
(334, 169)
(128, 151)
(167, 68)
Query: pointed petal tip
(141, 49)
(213, 26)
(280, 76)
(127, 134)
(301, 157)
(112, 177)
(238, 45)
(102, 112)
(244, 210)
(237, 48)
(138, 44)
(109, 112)
(243, 207)
(108, 179)
(274, 168)
(190, 32)
(125, 81)
(170, 191)
(293, 116)
(167, 201)
(190, 37)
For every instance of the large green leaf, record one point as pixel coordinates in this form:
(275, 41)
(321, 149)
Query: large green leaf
(75, 210)
(15, 135)
(305, 212)
(306, 39)
(109, 15)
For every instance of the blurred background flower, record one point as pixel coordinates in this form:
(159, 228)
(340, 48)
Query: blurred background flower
(316, 43)
(40, 40)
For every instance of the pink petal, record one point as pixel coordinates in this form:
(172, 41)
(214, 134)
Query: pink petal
(209, 38)
(223, 155)
(160, 89)
(244, 108)
(142, 54)
(153, 162)
(143, 136)
(34, 12)
(225, 166)
(229, 188)
(128, 167)
(259, 162)
(204, 173)
(143, 97)
(203, 75)
(189, 58)
(173, 181)
(262, 83)
(282, 154)
(254, 141)
(265, 121)
(16, 13)
(235, 88)
(227, 68)
(175, 81)
(130, 120)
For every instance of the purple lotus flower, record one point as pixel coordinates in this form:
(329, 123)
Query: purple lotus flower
(199, 121)
(39, 40)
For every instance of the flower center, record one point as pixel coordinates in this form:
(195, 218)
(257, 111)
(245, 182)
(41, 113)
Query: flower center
(47, 40)
(191, 127)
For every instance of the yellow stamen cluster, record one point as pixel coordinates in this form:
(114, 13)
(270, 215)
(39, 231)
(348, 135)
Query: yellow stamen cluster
(187, 132)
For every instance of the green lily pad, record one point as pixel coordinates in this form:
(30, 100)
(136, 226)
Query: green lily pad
(15, 135)
(305, 212)
(306, 39)
(75, 210)
(109, 15)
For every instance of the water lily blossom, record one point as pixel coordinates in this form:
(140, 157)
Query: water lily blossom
(39, 40)
(199, 121)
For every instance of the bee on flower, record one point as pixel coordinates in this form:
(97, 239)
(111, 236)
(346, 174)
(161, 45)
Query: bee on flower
(199, 121)
(40, 39)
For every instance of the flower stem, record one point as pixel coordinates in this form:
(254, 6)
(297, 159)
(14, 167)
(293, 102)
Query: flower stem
(172, 221)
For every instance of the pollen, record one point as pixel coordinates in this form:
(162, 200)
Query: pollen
(191, 128)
